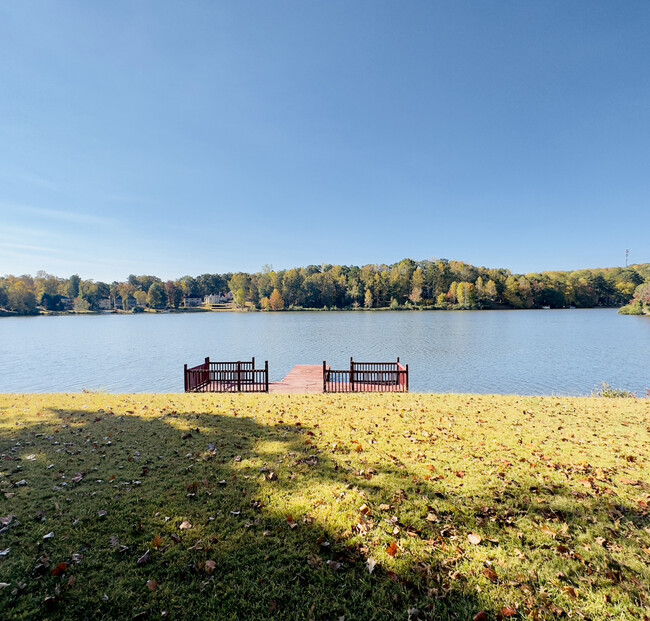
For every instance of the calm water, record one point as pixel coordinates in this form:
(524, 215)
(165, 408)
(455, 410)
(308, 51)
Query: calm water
(563, 352)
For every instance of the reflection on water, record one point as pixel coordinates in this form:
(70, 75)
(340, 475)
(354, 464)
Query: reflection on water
(563, 352)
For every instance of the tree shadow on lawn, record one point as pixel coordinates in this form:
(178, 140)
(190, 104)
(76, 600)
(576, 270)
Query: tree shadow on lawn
(278, 528)
(259, 545)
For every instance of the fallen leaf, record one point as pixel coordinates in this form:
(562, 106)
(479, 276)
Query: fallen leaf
(102, 513)
(371, 563)
(77, 478)
(334, 565)
(185, 525)
(392, 548)
(508, 611)
(5, 521)
(490, 574)
(481, 616)
(210, 566)
(61, 568)
(4, 552)
(364, 509)
(157, 542)
(49, 535)
(474, 539)
(152, 585)
(290, 521)
(570, 591)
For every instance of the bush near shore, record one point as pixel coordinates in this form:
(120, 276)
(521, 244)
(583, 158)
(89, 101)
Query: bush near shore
(324, 507)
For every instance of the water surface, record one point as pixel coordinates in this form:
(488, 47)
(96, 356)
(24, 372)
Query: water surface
(561, 352)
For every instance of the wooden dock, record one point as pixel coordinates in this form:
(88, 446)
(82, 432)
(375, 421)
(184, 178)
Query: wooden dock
(243, 376)
(302, 379)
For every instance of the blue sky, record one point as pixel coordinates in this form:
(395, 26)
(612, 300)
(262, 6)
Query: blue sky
(178, 138)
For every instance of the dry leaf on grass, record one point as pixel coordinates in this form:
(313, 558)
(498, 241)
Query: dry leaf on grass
(392, 548)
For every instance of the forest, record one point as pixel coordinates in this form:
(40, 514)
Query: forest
(431, 284)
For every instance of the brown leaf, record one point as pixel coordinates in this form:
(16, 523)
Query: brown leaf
(481, 616)
(460, 474)
(474, 539)
(570, 591)
(5, 521)
(77, 478)
(61, 568)
(210, 566)
(152, 585)
(334, 565)
(157, 542)
(364, 509)
(392, 548)
(185, 525)
(508, 611)
(291, 523)
(490, 574)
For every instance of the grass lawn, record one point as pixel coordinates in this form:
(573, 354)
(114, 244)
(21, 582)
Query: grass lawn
(323, 507)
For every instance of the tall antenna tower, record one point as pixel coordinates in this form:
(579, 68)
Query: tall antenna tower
(627, 253)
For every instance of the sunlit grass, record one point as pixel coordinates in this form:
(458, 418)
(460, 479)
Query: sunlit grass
(515, 506)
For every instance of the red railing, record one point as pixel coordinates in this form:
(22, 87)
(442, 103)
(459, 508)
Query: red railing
(367, 377)
(240, 376)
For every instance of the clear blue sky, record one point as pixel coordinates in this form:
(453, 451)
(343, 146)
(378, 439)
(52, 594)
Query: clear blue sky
(178, 138)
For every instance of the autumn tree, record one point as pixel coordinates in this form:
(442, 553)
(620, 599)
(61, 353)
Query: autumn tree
(125, 290)
(276, 301)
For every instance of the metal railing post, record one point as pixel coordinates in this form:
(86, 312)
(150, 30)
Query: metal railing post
(239, 376)
(266, 373)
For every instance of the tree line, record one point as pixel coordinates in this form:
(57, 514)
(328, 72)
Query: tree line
(440, 284)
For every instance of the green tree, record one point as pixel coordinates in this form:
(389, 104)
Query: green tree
(72, 290)
(368, 299)
(156, 297)
(239, 285)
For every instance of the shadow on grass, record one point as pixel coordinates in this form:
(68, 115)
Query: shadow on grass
(264, 540)
(201, 515)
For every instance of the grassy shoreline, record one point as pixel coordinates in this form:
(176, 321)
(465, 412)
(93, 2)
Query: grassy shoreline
(257, 507)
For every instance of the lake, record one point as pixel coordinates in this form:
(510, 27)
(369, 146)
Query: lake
(543, 352)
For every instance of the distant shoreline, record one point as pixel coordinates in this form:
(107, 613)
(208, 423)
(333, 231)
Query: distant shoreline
(199, 310)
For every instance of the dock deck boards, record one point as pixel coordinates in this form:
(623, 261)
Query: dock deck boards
(302, 379)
